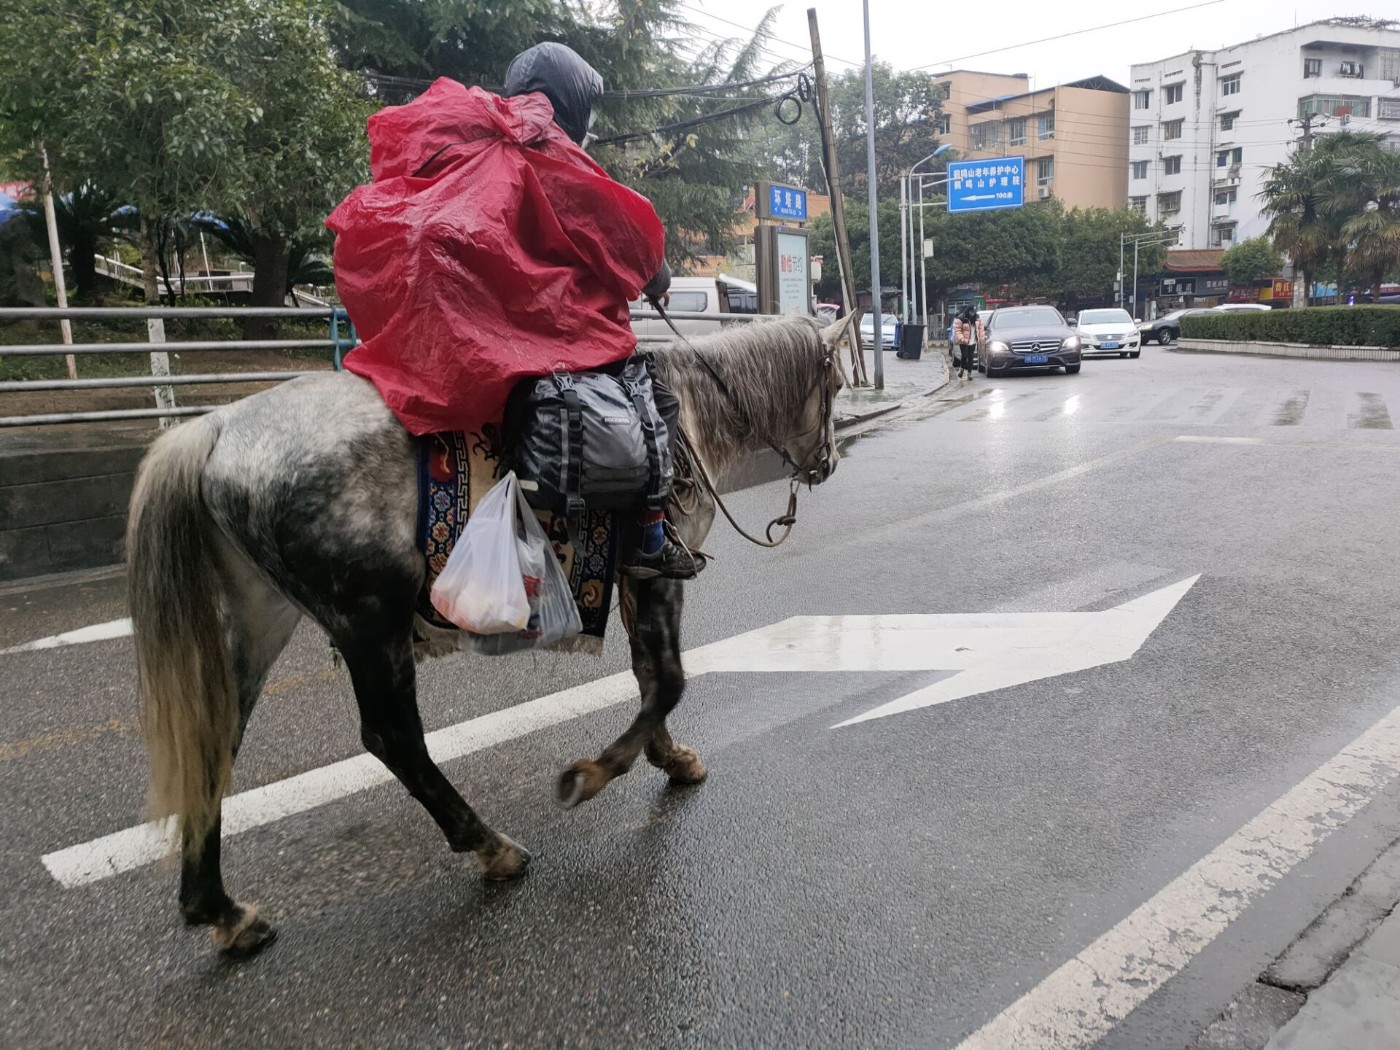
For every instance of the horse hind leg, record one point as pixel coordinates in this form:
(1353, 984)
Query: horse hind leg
(382, 669)
(259, 623)
(651, 612)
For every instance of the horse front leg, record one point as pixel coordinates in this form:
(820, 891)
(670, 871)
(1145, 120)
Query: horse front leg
(382, 671)
(651, 612)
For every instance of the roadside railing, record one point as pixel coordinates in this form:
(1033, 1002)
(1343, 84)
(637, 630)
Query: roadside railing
(339, 338)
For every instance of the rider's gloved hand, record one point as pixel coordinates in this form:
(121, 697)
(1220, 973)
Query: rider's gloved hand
(660, 284)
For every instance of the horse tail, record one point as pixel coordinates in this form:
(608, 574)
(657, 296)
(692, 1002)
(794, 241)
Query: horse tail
(189, 704)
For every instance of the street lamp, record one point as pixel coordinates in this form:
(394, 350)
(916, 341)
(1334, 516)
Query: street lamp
(1138, 240)
(877, 300)
(906, 234)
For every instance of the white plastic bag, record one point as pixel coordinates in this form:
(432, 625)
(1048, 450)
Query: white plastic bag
(554, 614)
(482, 588)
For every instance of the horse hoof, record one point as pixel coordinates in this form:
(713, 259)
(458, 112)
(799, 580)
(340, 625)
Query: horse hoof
(580, 782)
(503, 859)
(246, 937)
(685, 767)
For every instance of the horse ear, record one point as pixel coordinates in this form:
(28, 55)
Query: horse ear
(832, 333)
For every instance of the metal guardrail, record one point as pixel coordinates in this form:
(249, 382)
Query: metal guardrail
(340, 338)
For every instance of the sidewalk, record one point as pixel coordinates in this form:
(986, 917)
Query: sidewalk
(903, 380)
(1358, 1006)
(1337, 987)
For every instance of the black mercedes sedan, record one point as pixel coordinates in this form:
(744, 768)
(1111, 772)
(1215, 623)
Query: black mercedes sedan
(1029, 337)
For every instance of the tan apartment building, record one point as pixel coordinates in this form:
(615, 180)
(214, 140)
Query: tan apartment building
(1074, 136)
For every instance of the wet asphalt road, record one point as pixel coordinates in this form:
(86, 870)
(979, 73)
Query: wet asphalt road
(894, 883)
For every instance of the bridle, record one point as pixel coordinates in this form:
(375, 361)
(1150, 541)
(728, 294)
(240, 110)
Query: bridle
(831, 363)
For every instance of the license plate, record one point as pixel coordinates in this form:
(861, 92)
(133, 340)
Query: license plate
(1037, 359)
(1109, 346)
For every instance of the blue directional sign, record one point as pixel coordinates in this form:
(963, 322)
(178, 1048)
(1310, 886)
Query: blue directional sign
(782, 202)
(982, 185)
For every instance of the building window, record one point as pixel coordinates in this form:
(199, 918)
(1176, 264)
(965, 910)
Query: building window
(1169, 203)
(986, 135)
(1229, 158)
(1142, 99)
(1312, 67)
(1018, 131)
(1222, 236)
(1227, 120)
(1045, 126)
(1388, 108)
(1171, 165)
(1335, 105)
(1171, 129)
(1045, 171)
(1141, 134)
(944, 123)
(1138, 204)
(1139, 169)
(1173, 94)
(1230, 85)
(1227, 196)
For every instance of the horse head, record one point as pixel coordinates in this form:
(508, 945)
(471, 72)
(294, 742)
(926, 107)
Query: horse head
(811, 450)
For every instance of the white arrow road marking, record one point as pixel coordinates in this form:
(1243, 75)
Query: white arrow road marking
(1079, 1003)
(991, 650)
(97, 632)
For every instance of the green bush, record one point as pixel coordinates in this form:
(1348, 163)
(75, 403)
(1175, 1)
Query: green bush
(1318, 325)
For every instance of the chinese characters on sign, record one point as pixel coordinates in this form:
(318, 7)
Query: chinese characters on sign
(794, 288)
(782, 202)
(981, 185)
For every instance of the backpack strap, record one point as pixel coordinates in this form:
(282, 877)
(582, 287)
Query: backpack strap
(574, 506)
(646, 412)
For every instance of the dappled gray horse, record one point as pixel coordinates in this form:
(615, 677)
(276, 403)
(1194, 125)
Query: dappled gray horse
(302, 500)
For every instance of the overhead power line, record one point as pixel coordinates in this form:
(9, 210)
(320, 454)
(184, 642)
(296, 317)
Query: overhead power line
(804, 48)
(1065, 36)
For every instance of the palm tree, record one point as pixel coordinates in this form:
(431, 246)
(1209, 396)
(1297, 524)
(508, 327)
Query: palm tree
(1374, 231)
(1291, 202)
(1336, 203)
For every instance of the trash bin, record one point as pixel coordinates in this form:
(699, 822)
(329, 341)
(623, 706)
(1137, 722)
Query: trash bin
(911, 341)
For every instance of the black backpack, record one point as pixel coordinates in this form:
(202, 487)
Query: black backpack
(598, 440)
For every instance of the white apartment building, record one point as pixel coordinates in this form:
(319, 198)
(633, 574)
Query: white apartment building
(1205, 128)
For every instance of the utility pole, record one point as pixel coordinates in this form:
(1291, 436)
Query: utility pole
(876, 300)
(1308, 122)
(832, 167)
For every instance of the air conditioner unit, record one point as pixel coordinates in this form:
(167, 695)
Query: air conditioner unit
(1043, 193)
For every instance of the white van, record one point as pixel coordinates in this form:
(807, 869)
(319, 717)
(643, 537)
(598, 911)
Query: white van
(720, 295)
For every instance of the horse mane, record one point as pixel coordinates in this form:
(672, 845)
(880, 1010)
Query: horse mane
(770, 368)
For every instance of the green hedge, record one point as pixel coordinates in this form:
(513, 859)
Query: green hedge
(1318, 325)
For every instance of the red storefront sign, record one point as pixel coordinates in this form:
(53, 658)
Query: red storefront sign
(18, 190)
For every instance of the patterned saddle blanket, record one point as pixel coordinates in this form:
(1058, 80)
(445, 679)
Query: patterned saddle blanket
(457, 468)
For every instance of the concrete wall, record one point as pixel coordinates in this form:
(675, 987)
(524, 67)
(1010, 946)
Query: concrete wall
(63, 508)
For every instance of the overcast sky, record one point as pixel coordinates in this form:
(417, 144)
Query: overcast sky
(944, 34)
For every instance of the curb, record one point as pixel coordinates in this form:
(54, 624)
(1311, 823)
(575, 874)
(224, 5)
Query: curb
(846, 422)
(1305, 351)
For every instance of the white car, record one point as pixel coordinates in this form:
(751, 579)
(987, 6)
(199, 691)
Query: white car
(1109, 332)
(1235, 308)
(867, 330)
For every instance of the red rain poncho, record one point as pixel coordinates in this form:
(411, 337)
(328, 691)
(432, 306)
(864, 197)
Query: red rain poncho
(487, 248)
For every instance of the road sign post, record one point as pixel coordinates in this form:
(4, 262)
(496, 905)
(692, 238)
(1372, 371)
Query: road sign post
(986, 185)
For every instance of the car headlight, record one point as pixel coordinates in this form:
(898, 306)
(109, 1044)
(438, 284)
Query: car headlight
(998, 347)
(1072, 343)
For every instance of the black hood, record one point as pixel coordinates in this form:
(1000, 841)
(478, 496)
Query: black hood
(572, 86)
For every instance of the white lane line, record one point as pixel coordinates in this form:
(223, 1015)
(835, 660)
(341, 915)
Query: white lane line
(146, 843)
(98, 632)
(1080, 1002)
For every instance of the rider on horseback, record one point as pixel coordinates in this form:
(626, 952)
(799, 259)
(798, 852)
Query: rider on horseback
(573, 88)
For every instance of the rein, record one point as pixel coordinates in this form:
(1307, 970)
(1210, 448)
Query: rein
(789, 518)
